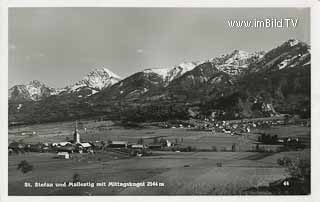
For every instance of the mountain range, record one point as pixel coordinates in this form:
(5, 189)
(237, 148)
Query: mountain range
(234, 85)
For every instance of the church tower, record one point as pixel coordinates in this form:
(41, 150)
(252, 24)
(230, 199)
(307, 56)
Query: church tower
(76, 135)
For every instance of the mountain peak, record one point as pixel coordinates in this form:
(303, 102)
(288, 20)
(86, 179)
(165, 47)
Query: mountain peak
(160, 71)
(34, 90)
(104, 71)
(35, 83)
(98, 78)
(171, 73)
(240, 54)
(236, 62)
(293, 42)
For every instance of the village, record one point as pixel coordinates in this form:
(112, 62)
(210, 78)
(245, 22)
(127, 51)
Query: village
(145, 145)
(95, 150)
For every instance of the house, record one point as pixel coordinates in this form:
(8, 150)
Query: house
(16, 146)
(168, 143)
(37, 147)
(85, 144)
(137, 146)
(57, 144)
(83, 147)
(67, 148)
(29, 133)
(63, 155)
(97, 144)
(155, 146)
(118, 144)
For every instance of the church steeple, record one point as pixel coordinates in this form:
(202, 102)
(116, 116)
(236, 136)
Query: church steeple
(76, 135)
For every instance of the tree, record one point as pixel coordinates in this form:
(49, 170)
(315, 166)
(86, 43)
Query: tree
(24, 166)
(300, 168)
(140, 141)
(76, 177)
(233, 147)
(300, 171)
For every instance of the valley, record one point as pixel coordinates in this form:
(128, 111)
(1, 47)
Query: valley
(234, 124)
(201, 171)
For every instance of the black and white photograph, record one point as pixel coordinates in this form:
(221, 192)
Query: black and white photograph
(149, 101)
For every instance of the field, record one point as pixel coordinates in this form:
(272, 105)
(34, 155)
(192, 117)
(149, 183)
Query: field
(171, 173)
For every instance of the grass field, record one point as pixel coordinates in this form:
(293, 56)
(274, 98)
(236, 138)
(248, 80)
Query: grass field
(182, 173)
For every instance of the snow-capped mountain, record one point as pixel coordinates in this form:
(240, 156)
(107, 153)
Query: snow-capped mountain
(146, 81)
(35, 90)
(92, 83)
(291, 53)
(97, 79)
(236, 62)
(238, 84)
(300, 56)
(171, 73)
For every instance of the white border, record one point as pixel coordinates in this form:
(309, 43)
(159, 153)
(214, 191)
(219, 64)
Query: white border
(157, 3)
(315, 43)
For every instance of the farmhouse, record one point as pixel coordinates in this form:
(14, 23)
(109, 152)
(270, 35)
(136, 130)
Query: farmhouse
(97, 144)
(16, 146)
(155, 146)
(62, 144)
(137, 146)
(85, 145)
(63, 155)
(118, 144)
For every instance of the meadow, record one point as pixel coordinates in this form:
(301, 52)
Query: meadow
(181, 173)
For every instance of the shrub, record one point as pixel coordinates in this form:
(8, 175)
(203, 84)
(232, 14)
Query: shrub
(24, 166)
(285, 161)
(299, 170)
(223, 149)
(191, 149)
(76, 177)
(233, 148)
(214, 148)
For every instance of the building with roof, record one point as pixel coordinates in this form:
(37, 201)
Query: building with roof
(63, 155)
(118, 144)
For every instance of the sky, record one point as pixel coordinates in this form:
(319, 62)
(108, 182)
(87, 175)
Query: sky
(59, 46)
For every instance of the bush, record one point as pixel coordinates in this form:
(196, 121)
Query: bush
(299, 170)
(233, 148)
(214, 148)
(76, 177)
(285, 161)
(223, 149)
(25, 167)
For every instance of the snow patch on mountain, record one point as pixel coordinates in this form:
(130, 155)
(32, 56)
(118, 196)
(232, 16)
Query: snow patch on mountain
(34, 90)
(293, 42)
(171, 73)
(163, 72)
(97, 79)
(57, 91)
(235, 62)
(287, 61)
